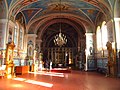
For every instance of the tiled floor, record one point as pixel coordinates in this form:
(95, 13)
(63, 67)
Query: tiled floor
(76, 80)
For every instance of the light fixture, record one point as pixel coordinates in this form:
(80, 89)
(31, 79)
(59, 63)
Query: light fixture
(60, 39)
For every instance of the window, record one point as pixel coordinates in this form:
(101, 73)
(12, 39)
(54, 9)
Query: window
(104, 35)
(99, 40)
(21, 39)
(15, 35)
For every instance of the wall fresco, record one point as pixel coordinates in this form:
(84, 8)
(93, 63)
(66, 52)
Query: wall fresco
(2, 9)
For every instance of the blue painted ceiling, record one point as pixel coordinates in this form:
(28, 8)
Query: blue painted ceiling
(33, 9)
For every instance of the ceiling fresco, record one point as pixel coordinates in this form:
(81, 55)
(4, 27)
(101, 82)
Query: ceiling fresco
(42, 17)
(3, 8)
(30, 13)
(87, 7)
(85, 11)
(9, 2)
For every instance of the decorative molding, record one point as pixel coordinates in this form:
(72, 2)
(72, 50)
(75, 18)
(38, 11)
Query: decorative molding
(11, 23)
(31, 35)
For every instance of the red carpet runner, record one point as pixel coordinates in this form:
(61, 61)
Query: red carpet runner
(61, 70)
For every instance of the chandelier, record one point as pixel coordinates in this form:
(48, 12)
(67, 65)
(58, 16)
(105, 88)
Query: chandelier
(60, 39)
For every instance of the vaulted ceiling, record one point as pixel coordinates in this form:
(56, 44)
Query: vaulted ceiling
(36, 13)
(33, 9)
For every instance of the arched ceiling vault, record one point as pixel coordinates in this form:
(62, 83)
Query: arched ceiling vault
(79, 29)
(34, 9)
(45, 22)
(72, 42)
(67, 29)
(86, 11)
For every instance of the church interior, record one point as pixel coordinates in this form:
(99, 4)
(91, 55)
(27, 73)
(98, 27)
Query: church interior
(74, 38)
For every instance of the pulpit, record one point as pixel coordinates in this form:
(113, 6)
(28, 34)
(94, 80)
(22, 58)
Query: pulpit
(9, 60)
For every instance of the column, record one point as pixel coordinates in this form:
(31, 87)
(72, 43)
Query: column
(3, 33)
(32, 37)
(25, 43)
(41, 66)
(3, 37)
(116, 21)
(35, 66)
(72, 55)
(58, 55)
(79, 43)
(63, 55)
(66, 54)
(69, 56)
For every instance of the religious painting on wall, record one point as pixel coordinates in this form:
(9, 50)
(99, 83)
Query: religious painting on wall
(2, 9)
(30, 48)
(10, 35)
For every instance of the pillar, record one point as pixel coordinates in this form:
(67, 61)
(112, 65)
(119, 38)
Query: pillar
(3, 33)
(116, 22)
(3, 37)
(25, 43)
(32, 37)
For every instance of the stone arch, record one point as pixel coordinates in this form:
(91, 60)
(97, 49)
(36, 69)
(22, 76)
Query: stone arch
(83, 22)
(57, 21)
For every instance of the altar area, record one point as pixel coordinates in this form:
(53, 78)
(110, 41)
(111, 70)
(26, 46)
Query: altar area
(60, 57)
(61, 70)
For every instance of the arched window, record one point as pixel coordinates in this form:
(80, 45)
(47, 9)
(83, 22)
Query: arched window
(99, 38)
(104, 35)
(15, 35)
(21, 38)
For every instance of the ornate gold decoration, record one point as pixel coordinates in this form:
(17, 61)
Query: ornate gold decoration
(60, 7)
(9, 60)
(111, 59)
